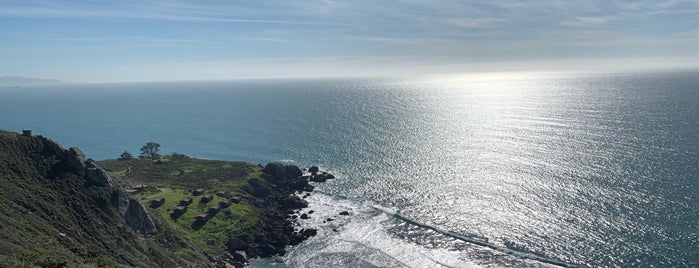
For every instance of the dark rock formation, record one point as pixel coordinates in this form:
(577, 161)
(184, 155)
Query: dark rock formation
(235, 243)
(322, 177)
(313, 169)
(275, 198)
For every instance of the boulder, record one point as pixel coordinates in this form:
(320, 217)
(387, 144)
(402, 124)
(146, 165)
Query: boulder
(138, 218)
(304, 216)
(313, 169)
(293, 171)
(293, 202)
(235, 243)
(277, 170)
(307, 233)
(239, 256)
(344, 213)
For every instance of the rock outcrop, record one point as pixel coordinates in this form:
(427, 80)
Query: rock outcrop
(138, 218)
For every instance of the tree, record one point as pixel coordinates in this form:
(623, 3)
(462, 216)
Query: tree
(125, 155)
(150, 150)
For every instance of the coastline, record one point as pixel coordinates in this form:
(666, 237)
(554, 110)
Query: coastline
(275, 192)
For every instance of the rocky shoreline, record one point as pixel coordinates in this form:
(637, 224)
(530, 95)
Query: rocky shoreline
(278, 202)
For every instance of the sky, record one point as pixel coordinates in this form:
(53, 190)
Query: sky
(124, 41)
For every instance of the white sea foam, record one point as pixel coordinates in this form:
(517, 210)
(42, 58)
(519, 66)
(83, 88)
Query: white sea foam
(361, 239)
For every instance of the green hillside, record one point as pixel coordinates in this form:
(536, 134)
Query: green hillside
(51, 216)
(59, 209)
(176, 178)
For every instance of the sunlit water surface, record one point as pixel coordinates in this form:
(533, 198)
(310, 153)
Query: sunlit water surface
(587, 170)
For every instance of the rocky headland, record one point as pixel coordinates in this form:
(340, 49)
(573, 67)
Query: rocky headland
(60, 208)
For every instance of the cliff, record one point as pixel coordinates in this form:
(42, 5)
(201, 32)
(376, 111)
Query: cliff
(58, 208)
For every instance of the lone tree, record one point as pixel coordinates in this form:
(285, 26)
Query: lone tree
(150, 150)
(125, 156)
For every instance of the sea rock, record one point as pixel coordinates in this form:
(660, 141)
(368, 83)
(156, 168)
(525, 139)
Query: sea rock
(293, 202)
(304, 216)
(313, 169)
(307, 233)
(322, 177)
(344, 213)
(293, 171)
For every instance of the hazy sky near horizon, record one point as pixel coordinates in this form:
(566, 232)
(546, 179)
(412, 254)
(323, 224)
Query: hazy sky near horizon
(109, 41)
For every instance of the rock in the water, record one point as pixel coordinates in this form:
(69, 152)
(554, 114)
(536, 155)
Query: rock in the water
(306, 233)
(313, 169)
(304, 216)
(344, 213)
(293, 202)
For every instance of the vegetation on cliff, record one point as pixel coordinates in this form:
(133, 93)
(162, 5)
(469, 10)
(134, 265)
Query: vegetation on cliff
(59, 209)
(52, 215)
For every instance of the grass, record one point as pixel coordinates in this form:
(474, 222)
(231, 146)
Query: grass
(175, 179)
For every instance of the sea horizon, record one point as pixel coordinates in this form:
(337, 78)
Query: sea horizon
(583, 170)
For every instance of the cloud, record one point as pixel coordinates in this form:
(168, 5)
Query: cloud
(588, 21)
(475, 22)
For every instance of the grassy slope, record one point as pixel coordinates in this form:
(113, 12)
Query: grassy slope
(176, 178)
(50, 217)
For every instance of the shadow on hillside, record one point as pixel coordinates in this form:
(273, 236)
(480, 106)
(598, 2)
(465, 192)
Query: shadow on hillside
(198, 224)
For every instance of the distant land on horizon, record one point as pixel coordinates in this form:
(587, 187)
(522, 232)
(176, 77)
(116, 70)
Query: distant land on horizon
(18, 81)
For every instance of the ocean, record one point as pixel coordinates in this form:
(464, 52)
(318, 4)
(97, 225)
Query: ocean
(585, 169)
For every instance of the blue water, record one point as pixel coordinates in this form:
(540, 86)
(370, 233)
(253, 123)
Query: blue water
(594, 170)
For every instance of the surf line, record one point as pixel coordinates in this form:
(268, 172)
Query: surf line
(473, 240)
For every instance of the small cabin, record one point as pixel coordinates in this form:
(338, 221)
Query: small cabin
(224, 203)
(221, 194)
(157, 202)
(185, 201)
(27, 132)
(202, 216)
(206, 199)
(198, 192)
(137, 188)
(213, 210)
(180, 210)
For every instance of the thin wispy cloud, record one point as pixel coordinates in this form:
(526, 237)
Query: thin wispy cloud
(98, 35)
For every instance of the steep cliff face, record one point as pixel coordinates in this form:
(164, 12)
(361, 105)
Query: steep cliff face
(58, 208)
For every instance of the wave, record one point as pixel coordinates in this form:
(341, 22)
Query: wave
(472, 239)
